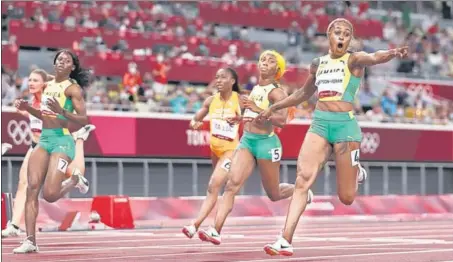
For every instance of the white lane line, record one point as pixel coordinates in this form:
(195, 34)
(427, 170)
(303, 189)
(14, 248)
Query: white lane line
(355, 255)
(91, 239)
(265, 260)
(200, 245)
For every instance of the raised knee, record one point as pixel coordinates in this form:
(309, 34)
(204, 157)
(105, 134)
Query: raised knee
(273, 197)
(49, 196)
(347, 199)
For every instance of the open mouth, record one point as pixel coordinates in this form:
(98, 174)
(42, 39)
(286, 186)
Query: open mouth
(340, 45)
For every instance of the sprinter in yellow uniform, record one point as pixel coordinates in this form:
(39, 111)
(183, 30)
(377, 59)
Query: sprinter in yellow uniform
(259, 144)
(50, 159)
(224, 138)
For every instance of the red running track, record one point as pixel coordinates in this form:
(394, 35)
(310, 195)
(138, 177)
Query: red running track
(243, 240)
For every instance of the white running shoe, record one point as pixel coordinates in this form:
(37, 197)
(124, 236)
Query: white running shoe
(362, 175)
(26, 247)
(279, 247)
(10, 230)
(83, 185)
(6, 147)
(83, 132)
(210, 235)
(310, 196)
(189, 230)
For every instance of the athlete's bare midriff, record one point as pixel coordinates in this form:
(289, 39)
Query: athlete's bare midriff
(258, 128)
(334, 106)
(53, 122)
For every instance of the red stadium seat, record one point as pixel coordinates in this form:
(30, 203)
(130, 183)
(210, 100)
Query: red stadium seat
(58, 36)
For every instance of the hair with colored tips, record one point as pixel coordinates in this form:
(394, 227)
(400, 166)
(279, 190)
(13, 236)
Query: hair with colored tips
(281, 63)
(340, 20)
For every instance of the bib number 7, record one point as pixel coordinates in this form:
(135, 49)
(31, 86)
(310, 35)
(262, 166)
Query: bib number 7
(62, 165)
(276, 154)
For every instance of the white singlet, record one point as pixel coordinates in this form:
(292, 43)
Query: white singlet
(35, 123)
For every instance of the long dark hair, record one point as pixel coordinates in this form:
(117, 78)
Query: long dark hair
(236, 79)
(79, 74)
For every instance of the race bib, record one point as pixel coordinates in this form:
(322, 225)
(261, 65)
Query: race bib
(250, 114)
(226, 165)
(221, 129)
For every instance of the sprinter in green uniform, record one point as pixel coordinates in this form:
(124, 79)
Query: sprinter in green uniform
(49, 160)
(259, 144)
(337, 77)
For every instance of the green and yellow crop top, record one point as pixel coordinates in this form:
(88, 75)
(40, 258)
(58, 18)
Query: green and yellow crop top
(57, 90)
(334, 80)
(260, 95)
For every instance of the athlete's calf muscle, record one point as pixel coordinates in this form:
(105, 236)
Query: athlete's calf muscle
(347, 170)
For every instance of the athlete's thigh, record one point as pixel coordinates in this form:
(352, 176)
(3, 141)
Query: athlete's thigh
(222, 168)
(270, 175)
(313, 154)
(214, 159)
(241, 168)
(75, 163)
(58, 165)
(347, 156)
(24, 168)
(37, 166)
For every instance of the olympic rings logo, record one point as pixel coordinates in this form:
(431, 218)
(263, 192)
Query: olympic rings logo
(20, 132)
(370, 142)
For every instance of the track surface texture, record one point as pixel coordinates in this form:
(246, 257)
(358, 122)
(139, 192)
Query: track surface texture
(243, 240)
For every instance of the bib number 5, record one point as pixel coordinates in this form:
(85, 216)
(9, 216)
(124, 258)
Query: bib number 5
(276, 154)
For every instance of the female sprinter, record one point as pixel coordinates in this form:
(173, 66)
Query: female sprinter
(337, 77)
(36, 84)
(258, 143)
(49, 161)
(224, 138)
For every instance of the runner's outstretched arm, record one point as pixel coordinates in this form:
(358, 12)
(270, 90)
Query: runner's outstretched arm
(302, 94)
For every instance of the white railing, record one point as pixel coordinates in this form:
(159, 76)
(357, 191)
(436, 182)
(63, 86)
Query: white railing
(135, 175)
